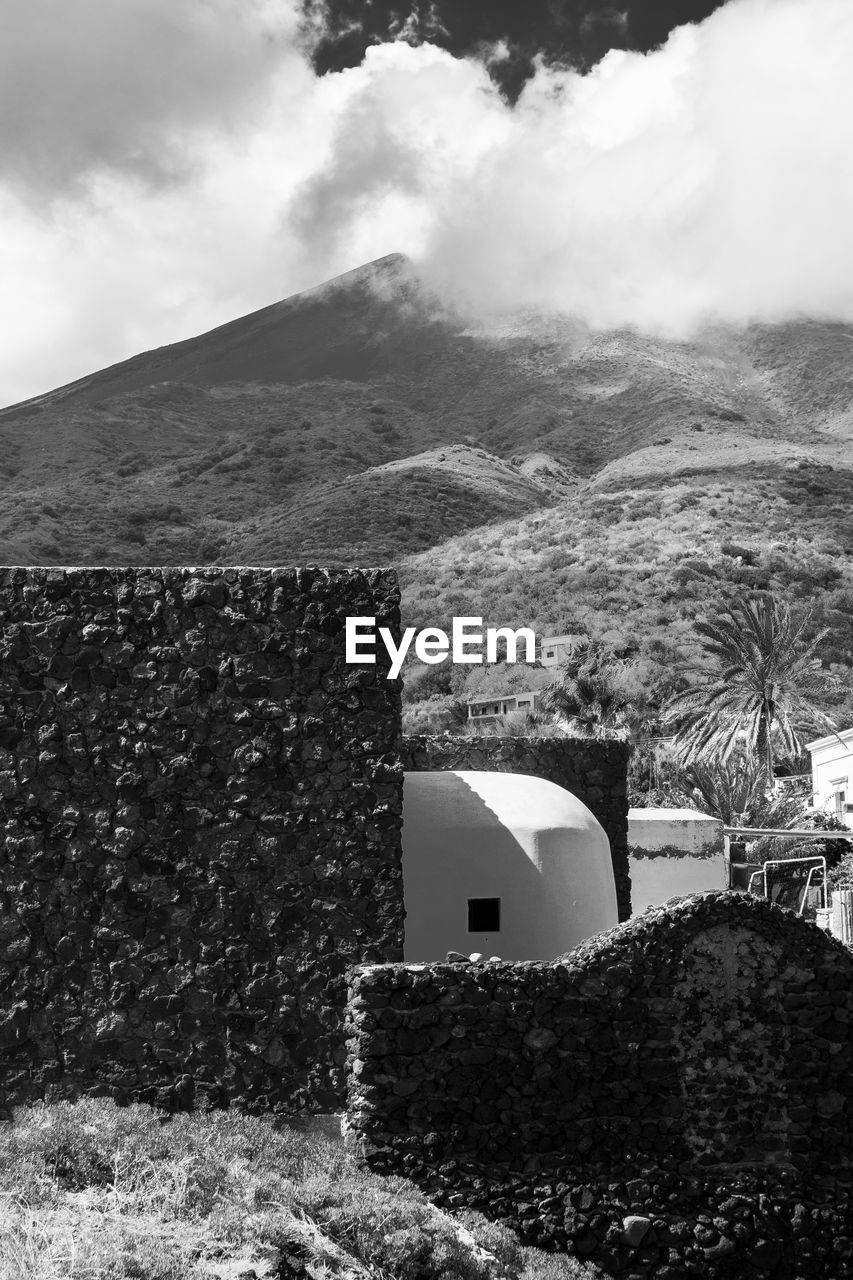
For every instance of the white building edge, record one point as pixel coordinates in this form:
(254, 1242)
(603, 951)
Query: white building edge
(832, 775)
(555, 649)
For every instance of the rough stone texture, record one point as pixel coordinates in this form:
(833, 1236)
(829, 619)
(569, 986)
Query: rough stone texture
(595, 771)
(200, 805)
(673, 1098)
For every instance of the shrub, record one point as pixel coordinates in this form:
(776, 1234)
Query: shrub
(163, 1195)
(552, 1266)
(131, 533)
(428, 682)
(841, 875)
(396, 1231)
(734, 551)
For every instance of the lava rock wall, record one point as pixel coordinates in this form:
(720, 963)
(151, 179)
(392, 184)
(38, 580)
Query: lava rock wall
(673, 1098)
(595, 771)
(200, 805)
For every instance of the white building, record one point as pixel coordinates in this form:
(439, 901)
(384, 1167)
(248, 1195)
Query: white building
(493, 706)
(555, 649)
(832, 775)
(501, 863)
(672, 852)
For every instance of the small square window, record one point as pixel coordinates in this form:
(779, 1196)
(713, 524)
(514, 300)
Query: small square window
(484, 915)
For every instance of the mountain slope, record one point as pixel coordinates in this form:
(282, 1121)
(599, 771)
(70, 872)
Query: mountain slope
(530, 470)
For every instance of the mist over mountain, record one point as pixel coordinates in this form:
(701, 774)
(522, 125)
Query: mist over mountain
(534, 471)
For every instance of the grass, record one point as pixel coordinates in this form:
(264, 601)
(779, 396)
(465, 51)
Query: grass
(92, 1191)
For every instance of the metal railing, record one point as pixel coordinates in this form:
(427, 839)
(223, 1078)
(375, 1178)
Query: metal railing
(756, 833)
(789, 862)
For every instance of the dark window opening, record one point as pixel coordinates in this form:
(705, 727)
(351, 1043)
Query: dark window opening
(484, 915)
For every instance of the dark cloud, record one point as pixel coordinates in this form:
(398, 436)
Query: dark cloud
(569, 33)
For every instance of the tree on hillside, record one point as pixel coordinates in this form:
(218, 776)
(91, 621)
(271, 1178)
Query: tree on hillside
(592, 693)
(758, 684)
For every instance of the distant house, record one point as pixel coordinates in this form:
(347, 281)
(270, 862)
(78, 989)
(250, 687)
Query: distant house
(492, 706)
(832, 775)
(555, 649)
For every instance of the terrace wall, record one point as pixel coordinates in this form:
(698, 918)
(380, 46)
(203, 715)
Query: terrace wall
(673, 1098)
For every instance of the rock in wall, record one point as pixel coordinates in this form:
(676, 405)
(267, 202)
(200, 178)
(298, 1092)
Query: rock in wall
(595, 771)
(200, 805)
(673, 1098)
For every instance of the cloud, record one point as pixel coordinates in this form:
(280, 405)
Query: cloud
(149, 150)
(568, 33)
(177, 166)
(92, 86)
(704, 181)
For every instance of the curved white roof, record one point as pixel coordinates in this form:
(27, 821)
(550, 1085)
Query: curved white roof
(470, 835)
(519, 801)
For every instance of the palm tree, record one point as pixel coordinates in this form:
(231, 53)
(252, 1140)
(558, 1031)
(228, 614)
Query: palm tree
(757, 683)
(737, 793)
(589, 695)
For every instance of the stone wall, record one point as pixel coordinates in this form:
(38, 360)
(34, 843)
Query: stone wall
(595, 771)
(673, 1098)
(200, 806)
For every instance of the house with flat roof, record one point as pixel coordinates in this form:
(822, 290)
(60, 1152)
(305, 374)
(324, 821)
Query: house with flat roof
(832, 775)
(493, 706)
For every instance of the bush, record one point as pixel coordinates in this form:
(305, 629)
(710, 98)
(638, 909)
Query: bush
(130, 533)
(736, 552)
(841, 875)
(164, 1194)
(552, 1266)
(395, 1230)
(428, 682)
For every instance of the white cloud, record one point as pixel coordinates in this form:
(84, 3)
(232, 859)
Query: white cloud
(101, 258)
(88, 86)
(707, 179)
(168, 170)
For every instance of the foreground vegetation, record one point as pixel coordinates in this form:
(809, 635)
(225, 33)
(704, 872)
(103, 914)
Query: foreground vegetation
(92, 1191)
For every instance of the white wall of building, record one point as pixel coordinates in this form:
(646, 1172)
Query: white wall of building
(554, 649)
(495, 707)
(832, 775)
(672, 852)
(524, 840)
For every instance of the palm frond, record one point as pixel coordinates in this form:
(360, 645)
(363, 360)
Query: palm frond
(758, 684)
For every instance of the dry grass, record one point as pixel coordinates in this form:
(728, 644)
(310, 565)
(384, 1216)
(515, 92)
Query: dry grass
(92, 1191)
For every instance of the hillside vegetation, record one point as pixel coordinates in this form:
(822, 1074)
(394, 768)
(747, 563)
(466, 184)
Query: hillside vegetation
(637, 566)
(531, 471)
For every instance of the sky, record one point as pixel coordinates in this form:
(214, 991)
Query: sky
(166, 168)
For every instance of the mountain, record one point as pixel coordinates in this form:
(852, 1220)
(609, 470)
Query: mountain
(529, 469)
